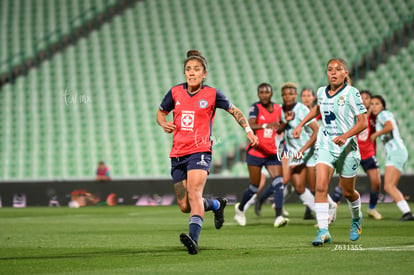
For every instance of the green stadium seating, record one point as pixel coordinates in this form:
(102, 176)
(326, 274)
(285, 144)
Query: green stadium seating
(116, 77)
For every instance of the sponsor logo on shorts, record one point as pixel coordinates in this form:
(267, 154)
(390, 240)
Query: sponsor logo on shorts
(202, 162)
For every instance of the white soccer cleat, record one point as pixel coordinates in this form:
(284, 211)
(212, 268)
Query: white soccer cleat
(281, 221)
(332, 213)
(240, 217)
(374, 213)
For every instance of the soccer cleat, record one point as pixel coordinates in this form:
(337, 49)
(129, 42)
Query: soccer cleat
(240, 217)
(280, 221)
(407, 217)
(219, 214)
(188, 242)
(356, 229)
(322, 237)
(374, 213)
(258, 207)
(332, 213)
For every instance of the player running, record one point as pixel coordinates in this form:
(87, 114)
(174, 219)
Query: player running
(396, 153)
(194, 105)
(264, 118)
(343, 116)
(368, 159)
(300, 150)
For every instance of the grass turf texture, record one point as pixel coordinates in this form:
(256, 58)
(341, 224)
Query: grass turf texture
(133, 240)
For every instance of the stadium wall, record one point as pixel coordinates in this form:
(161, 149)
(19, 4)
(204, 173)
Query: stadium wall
(151, 191)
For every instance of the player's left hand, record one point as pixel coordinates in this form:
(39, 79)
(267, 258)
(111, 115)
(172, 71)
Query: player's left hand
(254, 140)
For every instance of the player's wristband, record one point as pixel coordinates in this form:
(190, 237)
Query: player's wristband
(248, 129)
(264, 125)
(284, 121)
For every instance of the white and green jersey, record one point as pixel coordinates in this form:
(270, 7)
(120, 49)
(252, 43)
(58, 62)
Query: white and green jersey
(392, 140)
(294, 144)
(339, 114)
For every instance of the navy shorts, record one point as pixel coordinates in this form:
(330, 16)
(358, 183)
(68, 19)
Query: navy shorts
(255, 161)
(180, 165)
(369, 163)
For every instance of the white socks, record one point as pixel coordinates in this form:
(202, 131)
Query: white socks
(403, 206)
(308, 199)
(250, 202)
(331, 201)
(355, 208)
(321, 209)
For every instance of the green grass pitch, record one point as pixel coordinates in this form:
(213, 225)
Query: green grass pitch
(145, 240)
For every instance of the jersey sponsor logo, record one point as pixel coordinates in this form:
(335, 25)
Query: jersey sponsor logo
(203, 103)
(361, 106)
(363, 136)
(177, 103)
(268, 133)
(202, 162)
(262, 117)
(341, 101)
(187, 120)
(329, 116)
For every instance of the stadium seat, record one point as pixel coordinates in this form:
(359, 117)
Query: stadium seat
(127, 65)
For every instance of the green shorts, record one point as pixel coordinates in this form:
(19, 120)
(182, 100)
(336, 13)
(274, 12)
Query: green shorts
(398, 159)
(346, 164)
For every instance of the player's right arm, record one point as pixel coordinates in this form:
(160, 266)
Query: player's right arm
(166, 106)
(167, 126)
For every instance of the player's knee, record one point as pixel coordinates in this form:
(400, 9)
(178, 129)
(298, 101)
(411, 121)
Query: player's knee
(300, 189)
(321, 188)
(347, 193)
(185, 208)
(388, 188)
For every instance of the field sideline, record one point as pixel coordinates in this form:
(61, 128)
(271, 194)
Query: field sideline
(134, 240)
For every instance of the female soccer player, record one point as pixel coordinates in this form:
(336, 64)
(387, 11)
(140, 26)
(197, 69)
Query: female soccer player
(300, 150)
(308, 97)
(343, 116)
(396, 152)
(194, 105)
(264, 118)
(368, 159)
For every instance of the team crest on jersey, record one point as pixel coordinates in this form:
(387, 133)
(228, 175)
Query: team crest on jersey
(341, 101)
(187, 120)
(203, 103)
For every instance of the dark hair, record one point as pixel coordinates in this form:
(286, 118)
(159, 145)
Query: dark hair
(308, 89)
(367, 92)
(196, 55)
(264, 85)
(343, 62)
(380, 98)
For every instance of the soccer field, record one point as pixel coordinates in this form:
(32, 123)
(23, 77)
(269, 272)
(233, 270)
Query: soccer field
(133, 240)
